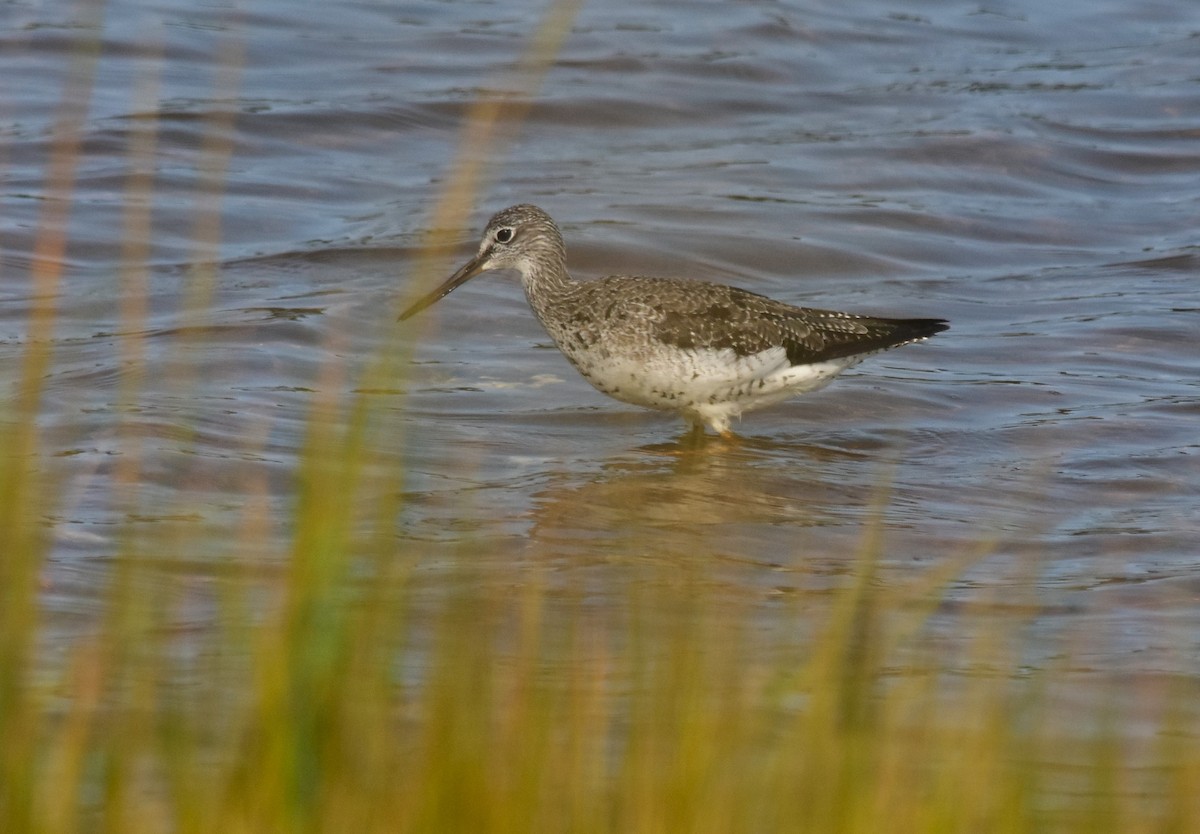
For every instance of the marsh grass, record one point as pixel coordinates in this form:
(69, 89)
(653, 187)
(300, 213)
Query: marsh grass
(342, 688)
(364, 698)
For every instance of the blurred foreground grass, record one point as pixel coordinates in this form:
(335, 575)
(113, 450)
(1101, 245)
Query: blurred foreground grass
(351, 691)
(347, 693)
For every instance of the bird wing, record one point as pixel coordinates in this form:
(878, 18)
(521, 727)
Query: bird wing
(692, 315)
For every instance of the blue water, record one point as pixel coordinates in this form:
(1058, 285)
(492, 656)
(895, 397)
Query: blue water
(1028, 170)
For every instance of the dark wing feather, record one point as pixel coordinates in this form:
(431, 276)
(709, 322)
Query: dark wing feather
(694, 315)
(748, 323)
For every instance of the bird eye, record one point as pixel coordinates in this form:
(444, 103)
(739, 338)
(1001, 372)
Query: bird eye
(504, 235)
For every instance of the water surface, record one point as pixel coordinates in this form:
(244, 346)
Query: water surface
(1029, 171)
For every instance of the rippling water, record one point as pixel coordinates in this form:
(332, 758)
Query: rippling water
(1030, 171)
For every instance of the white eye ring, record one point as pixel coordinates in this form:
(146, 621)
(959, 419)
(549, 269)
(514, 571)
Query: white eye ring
(504, 235)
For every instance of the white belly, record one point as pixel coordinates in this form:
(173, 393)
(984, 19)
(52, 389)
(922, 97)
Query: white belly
(706, 386)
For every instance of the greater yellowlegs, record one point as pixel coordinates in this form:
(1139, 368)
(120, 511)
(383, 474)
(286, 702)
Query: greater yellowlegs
(706, 351)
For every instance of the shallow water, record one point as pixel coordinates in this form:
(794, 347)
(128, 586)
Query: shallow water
(1029, 171)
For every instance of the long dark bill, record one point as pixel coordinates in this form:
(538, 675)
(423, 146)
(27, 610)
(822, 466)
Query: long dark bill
(469, 270)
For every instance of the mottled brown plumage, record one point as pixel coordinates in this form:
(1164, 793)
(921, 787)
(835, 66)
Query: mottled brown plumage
(706, 351)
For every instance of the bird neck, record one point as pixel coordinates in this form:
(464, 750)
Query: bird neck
(546, 285)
